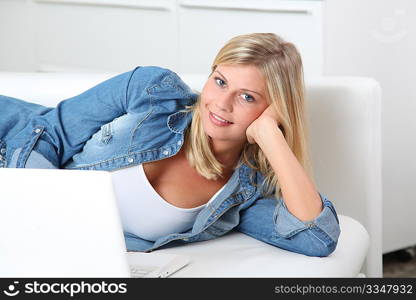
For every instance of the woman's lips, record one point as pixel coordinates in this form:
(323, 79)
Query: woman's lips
(218, 122)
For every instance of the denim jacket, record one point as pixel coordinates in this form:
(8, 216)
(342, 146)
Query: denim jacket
(138, 117)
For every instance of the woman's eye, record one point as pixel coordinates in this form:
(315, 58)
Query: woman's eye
(248, 98)
(219, 81)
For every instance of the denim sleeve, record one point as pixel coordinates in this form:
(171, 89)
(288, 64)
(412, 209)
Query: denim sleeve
(76, 119)
(269, 220)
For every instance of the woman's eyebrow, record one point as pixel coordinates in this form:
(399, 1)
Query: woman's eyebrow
(253, 92)
(221, 74)
(240, 89)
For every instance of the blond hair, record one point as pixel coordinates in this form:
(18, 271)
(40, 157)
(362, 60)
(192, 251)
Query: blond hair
(281, 66)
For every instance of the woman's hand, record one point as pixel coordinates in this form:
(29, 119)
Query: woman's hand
(267, 118)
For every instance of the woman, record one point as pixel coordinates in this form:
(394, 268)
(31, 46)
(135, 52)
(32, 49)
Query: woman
(190, 167)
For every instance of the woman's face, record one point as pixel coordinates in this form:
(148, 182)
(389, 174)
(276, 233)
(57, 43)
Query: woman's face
(231, 99)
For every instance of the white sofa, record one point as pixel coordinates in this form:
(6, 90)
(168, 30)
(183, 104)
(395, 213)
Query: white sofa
(344, 114)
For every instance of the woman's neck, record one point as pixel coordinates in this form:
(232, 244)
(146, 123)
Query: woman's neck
(226, 153)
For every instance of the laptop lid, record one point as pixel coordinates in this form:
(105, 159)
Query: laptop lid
(60, 223)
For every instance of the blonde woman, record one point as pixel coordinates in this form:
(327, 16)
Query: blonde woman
(191, 166)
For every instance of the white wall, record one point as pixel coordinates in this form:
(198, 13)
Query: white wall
(112, 35)
(377, 38)
(16, 38)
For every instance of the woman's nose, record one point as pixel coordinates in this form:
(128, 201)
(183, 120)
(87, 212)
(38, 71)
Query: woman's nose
(224, 103)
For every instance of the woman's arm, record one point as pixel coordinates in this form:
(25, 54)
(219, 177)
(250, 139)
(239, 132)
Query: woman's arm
(299, 194)
(267, 219)
(72, 123)
(304, 221)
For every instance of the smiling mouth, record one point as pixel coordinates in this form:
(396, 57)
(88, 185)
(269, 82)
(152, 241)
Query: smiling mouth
(218, 118)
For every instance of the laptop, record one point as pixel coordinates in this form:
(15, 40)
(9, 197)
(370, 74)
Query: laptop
(65, 223)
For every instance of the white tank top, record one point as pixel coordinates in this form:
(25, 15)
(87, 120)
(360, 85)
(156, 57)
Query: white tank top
(144, 212)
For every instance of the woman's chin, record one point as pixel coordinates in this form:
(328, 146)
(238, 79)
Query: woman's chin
(222, 139)
(213, 134)
(216, 138)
